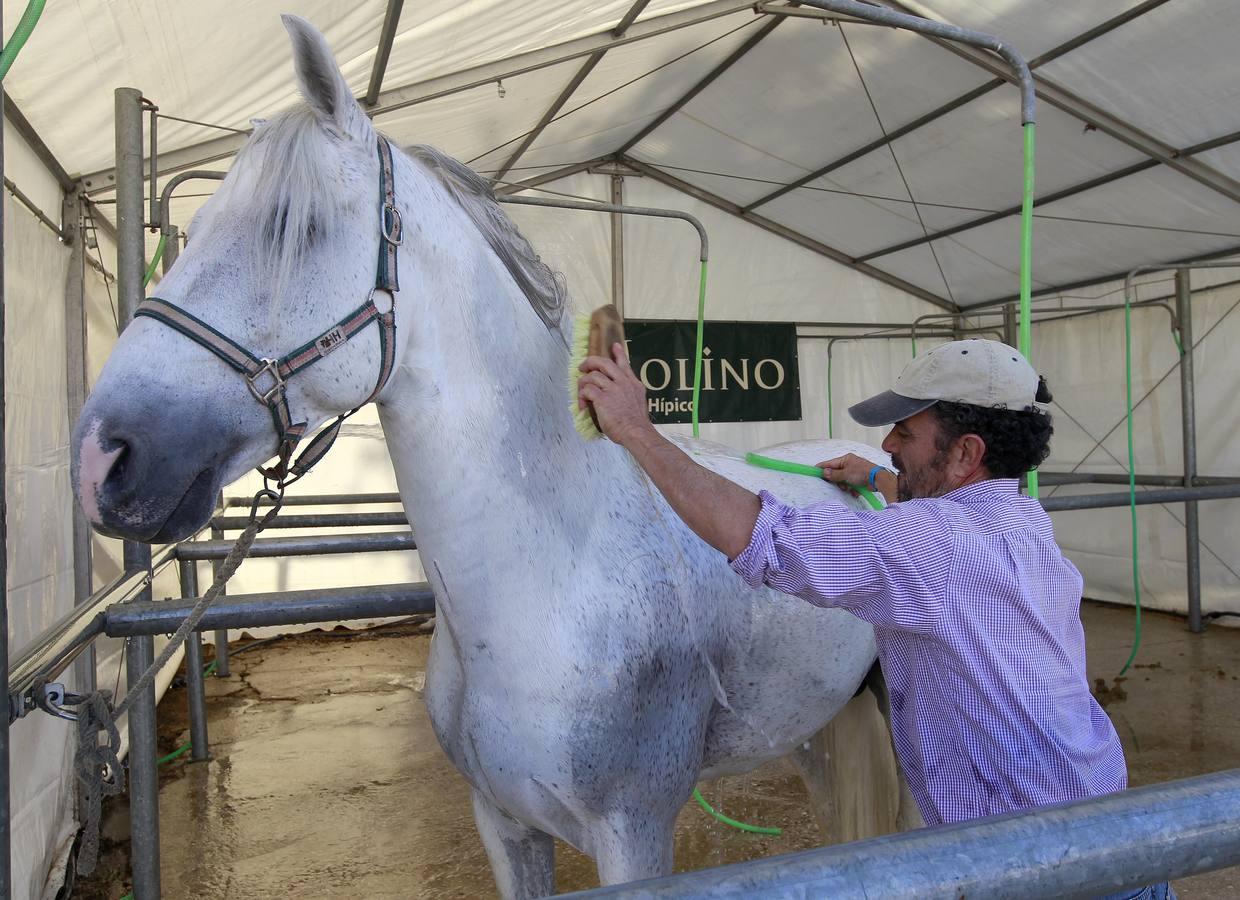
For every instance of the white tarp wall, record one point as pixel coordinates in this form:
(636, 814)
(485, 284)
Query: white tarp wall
(40, 553)
(1084, 361)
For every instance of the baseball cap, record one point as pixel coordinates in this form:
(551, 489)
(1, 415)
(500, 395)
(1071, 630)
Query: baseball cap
(978, 372)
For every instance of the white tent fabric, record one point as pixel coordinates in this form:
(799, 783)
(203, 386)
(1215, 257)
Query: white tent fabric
(720, 100)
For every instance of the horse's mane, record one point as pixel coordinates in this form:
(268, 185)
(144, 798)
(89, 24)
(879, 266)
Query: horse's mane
(285, 195)
(544, 288)
(291, 211)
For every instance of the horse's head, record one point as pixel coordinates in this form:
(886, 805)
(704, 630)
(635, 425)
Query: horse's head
(286, 249)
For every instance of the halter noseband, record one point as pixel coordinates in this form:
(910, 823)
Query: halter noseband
(267, 378)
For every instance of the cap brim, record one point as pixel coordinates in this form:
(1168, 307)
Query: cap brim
(887, 408)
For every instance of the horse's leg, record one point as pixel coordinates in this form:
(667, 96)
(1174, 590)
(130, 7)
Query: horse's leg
(633, 847)
(522, 858)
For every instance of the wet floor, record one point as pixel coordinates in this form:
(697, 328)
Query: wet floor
(326, 781)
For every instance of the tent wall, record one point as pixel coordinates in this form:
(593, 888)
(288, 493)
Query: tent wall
(1084, 362)
(40, 554)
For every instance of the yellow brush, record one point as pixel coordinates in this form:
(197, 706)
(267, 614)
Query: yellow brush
(593, 335)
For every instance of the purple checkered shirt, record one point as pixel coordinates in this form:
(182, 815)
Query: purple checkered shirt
(977, 617)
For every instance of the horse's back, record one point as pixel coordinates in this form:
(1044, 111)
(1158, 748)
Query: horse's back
(793, 665)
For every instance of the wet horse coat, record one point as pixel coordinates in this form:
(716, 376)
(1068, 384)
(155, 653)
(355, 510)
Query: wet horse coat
(593, 658)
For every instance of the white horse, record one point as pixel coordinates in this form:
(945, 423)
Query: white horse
(593, 658)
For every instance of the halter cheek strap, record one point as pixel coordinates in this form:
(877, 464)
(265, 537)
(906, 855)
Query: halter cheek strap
(267, 378)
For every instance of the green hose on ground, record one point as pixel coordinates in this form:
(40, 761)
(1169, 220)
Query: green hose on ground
(21, 34)
(752, 829)
(778, 465)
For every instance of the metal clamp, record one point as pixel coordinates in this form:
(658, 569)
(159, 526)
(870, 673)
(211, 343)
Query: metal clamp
(391, 227)
(51, 697)
(270, 367)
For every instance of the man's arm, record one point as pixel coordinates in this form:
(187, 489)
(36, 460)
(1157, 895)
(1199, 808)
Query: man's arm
(721, 512)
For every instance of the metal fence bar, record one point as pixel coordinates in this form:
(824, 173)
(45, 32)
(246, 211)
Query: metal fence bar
(1120, 498)
(319, 500)
(320, 520)
(1188, 424)
(143, 774)
(195, 688)
(1082, 849)
(276, 608)
(1060, 478)
(311, 545)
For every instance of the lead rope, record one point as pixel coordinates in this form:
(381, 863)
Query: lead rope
(97, 765)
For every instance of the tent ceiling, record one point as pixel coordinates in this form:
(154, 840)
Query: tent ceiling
(760, 101)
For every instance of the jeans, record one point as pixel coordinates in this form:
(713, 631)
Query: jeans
(1161, 891)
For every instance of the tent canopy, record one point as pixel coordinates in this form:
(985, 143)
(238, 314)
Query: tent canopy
(907, 153)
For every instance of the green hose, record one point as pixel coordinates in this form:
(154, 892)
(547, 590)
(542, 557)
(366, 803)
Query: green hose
(1026, 268)
(753, 829)
(783, 465)
(778, 465)
(697, 361)
(159, 254)
(21, 34)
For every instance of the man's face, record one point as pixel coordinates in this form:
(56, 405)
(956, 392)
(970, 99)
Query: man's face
(914, 451)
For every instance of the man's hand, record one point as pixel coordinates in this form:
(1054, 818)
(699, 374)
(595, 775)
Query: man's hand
(852, 469)
(618, 396)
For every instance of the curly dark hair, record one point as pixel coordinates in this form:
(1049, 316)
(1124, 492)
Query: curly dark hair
(1016, 440)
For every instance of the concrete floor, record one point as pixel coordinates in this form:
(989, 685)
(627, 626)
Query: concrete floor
(326, 780)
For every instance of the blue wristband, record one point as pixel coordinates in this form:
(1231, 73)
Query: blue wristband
(874, 475)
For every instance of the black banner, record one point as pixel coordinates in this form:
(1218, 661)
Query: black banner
(749, 370)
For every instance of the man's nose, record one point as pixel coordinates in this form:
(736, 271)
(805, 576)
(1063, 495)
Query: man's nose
(889, 442)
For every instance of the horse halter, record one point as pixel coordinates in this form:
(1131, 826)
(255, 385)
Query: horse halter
(267, 378)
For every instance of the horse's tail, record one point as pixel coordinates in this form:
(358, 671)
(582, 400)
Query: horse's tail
(850, 770)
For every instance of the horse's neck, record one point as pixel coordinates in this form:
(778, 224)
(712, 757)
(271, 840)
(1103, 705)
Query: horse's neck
(477, 419)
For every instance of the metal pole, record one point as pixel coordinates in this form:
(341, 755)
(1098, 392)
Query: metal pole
(1143, 498)
(1082, 849)
(310, 545)
(617, 245)
(130, 247)
(222, 669)
(5, 875)
(1009, 325)
(1192, 536)
(143, 775)
(194, 679)
(75, 382)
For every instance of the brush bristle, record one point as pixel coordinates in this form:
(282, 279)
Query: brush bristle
(582, 420)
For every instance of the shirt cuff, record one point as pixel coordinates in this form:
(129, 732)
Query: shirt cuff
(758, 560)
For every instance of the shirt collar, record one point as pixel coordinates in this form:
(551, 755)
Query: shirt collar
(990, 487)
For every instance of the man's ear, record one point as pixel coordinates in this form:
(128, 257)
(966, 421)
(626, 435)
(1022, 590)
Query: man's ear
(972, 450)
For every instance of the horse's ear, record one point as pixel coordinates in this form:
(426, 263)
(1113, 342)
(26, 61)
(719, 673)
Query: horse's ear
(321, 83)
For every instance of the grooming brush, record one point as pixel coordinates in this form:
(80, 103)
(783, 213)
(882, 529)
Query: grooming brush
(593, 335)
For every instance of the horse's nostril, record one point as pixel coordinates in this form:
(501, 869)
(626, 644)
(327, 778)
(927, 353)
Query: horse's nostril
(120, 462)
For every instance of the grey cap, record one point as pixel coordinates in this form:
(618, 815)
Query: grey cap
(977, 372)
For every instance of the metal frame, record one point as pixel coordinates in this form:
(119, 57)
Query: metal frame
(1081, 849)
(783, 231)
(951, 105)
(1063, 193)
(391, 20)
(575, 82)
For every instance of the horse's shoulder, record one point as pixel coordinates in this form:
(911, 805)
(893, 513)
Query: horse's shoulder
(796, 490)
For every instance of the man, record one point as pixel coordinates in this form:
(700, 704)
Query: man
(975, 608)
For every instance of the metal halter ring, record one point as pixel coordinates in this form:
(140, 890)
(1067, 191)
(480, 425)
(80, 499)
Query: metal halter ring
(393, 233)
(270, 367)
